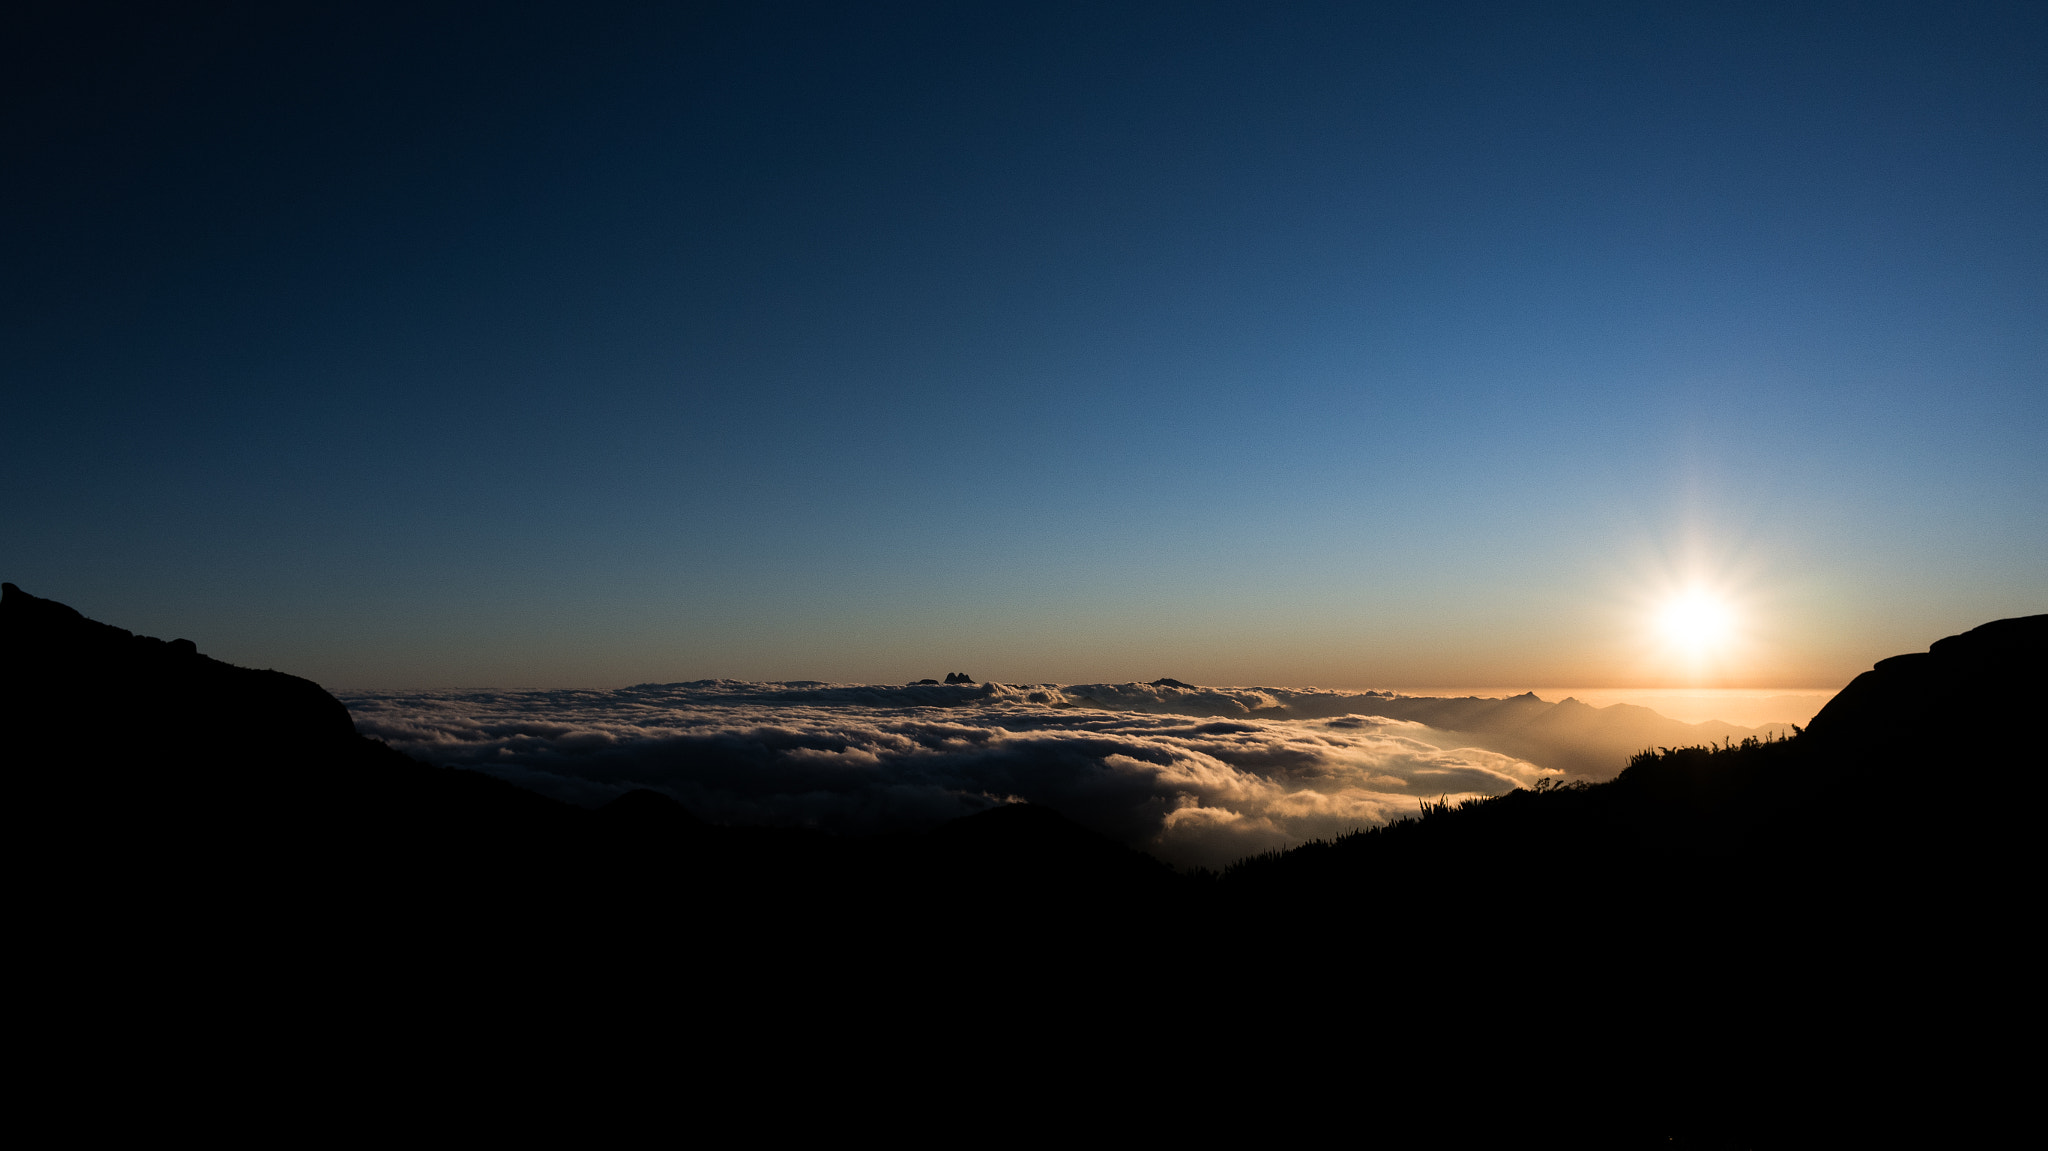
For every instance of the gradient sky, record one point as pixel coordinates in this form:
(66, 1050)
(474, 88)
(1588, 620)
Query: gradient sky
(1350, 345)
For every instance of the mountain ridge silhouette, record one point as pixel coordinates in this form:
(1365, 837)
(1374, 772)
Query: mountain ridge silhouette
(1743, 945)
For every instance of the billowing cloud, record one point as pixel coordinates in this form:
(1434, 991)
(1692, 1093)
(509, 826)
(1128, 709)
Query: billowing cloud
(1195, 776)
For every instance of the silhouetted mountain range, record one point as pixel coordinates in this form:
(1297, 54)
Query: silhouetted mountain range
(1570, 736)
(1727, 934)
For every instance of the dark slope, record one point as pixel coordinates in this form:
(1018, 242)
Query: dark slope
(121, 740)
(147, 745)
(1837, 799)
(68, 678)
(1761, 942)
(1780, 938)
(145, 760)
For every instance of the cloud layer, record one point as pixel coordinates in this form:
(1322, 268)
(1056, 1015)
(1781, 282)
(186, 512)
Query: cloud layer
(1193, 775)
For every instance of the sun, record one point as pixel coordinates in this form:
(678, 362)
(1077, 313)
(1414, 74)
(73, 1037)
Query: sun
(1694, 612)
(1696, 622)
(1696, 625)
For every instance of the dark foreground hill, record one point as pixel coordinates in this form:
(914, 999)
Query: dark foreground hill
(1761, 943)
(118, 736)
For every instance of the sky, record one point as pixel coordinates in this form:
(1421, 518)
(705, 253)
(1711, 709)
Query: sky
(1361, 346)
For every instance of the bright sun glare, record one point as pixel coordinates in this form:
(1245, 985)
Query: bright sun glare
(1695, 613)
(1697, 624)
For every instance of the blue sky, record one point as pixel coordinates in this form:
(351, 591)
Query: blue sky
(1350, 345)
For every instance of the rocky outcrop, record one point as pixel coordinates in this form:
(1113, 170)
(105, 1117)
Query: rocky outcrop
(1961, 716)
(1985, 682)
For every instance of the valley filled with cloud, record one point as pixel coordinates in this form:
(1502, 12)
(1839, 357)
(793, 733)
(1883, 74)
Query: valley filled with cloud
(1194, 776)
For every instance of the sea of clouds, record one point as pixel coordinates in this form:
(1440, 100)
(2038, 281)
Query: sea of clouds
(1196, 776)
